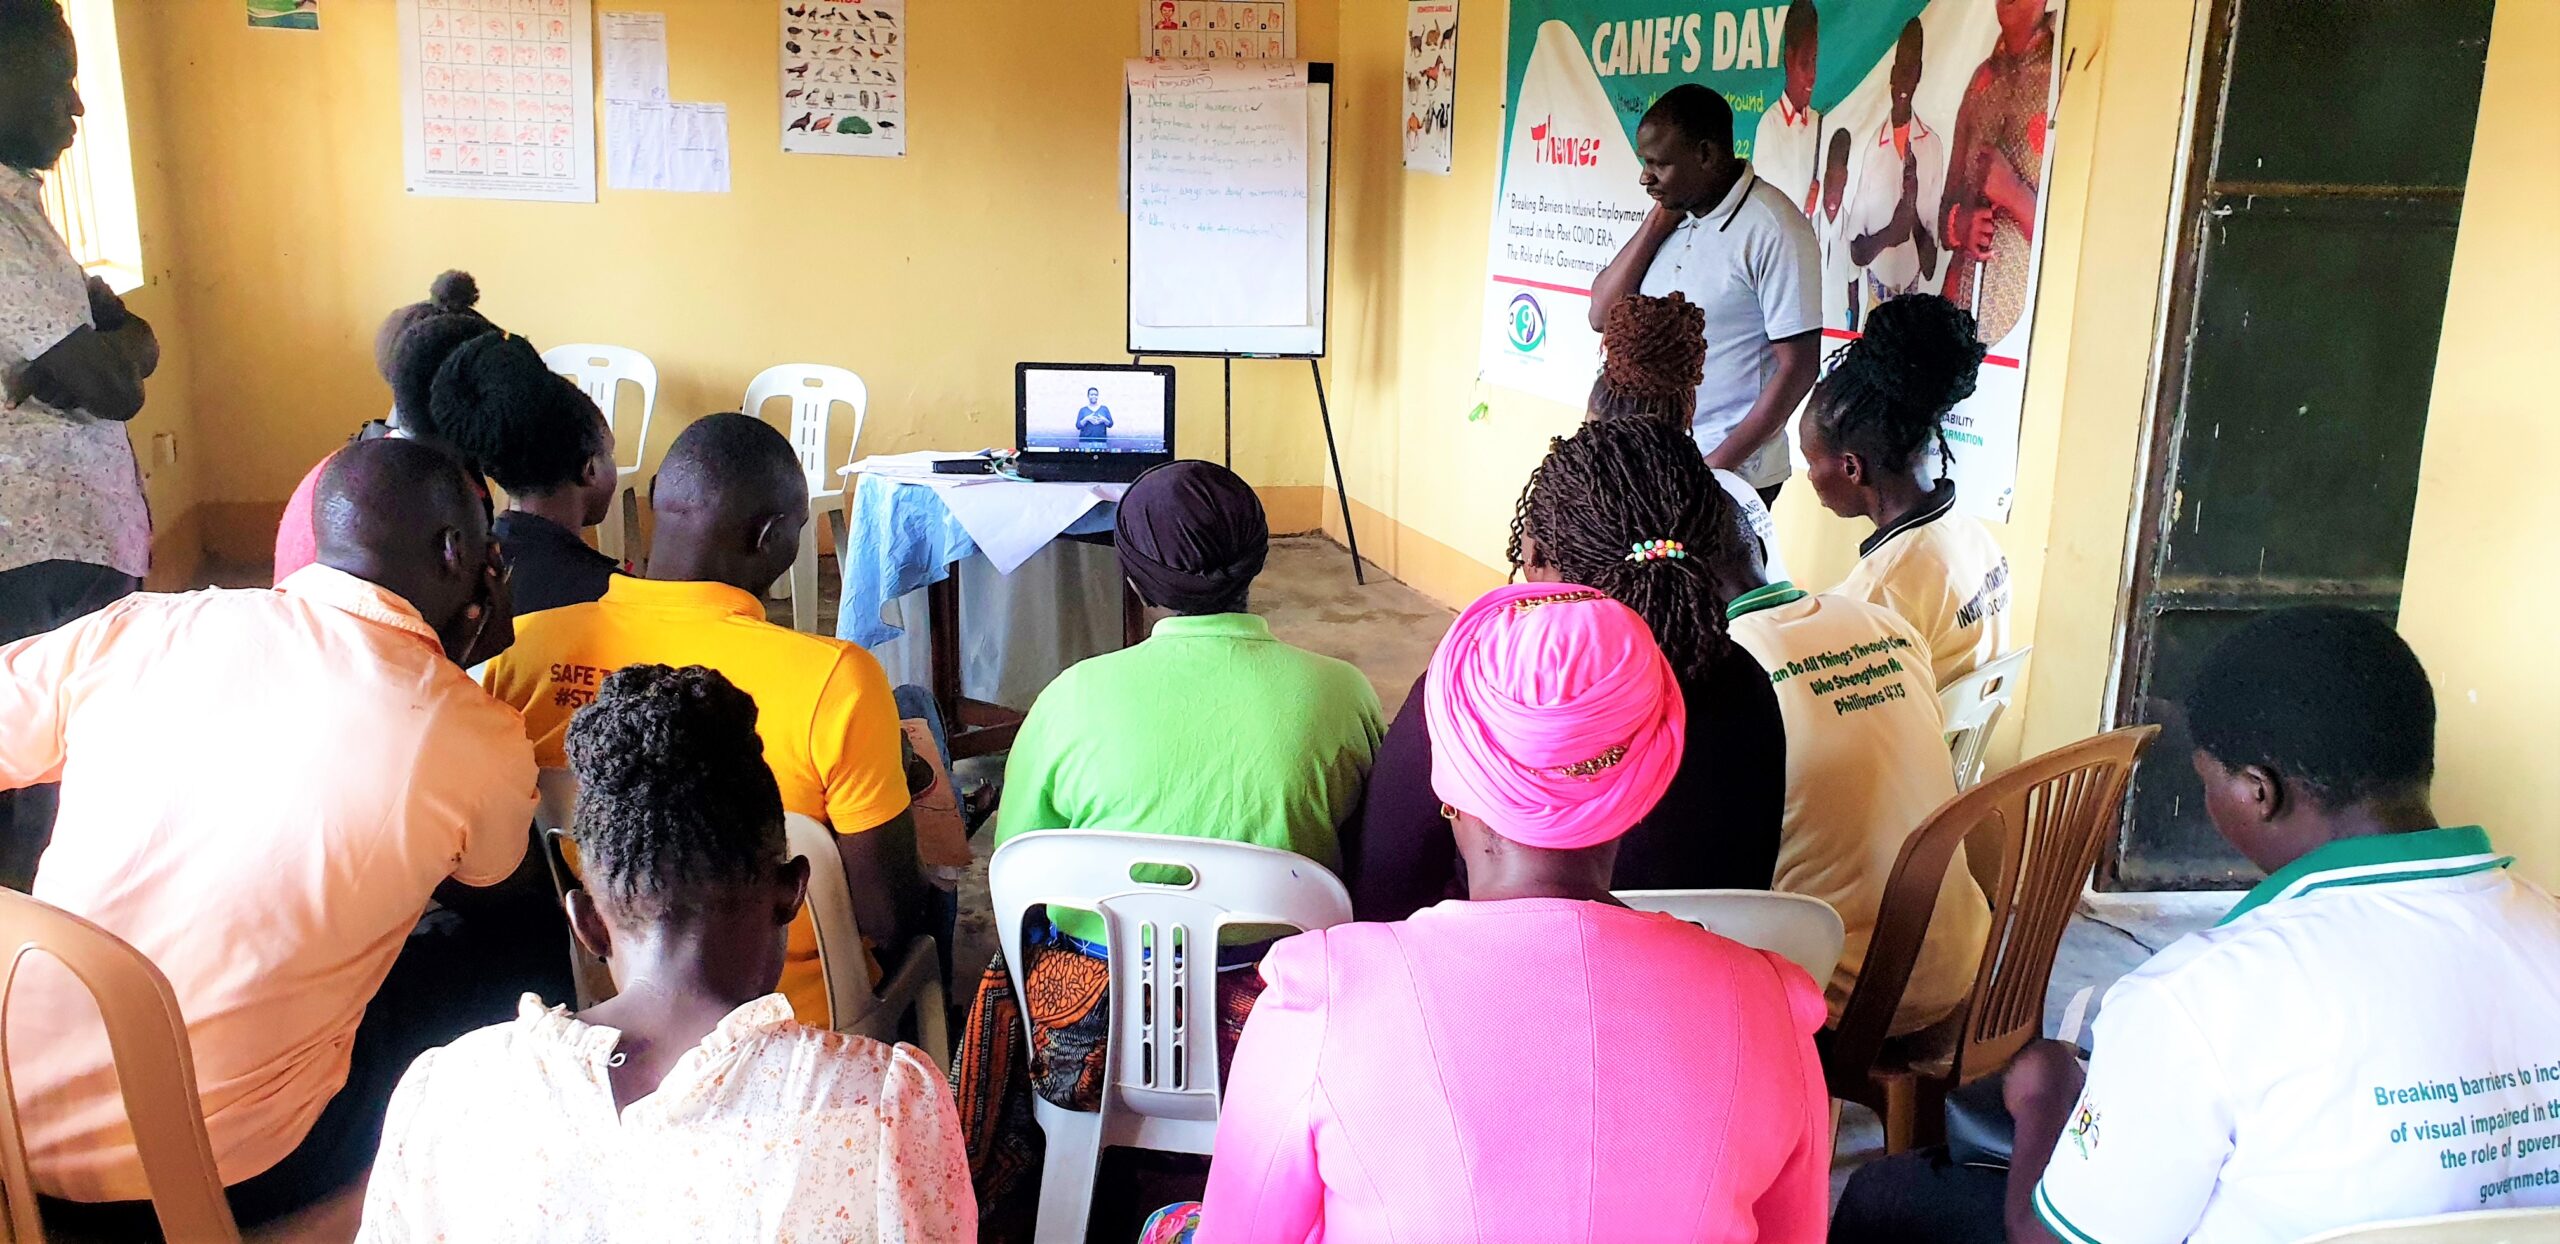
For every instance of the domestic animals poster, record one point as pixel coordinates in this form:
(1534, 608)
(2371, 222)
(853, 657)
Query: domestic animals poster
(1430, 83)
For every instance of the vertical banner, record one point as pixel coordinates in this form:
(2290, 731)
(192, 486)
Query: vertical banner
(1430, 84)
(1913, 133)
(498, 102)
(844, 78)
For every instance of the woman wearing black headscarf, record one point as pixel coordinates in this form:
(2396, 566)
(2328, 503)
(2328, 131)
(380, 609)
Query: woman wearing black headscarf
(1209, 729)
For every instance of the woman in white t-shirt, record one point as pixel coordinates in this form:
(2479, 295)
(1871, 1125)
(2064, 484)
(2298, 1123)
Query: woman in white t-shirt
(690, 1104)
(1867, 432)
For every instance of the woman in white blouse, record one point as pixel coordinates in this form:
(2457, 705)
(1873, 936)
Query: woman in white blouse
(690, 1105)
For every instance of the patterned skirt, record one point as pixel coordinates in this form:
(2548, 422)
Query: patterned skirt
(1066, 990)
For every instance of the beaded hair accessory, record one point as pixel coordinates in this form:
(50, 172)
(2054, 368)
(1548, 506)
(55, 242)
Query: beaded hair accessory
(1583, 596)
(1658, 550)
(1594, 767)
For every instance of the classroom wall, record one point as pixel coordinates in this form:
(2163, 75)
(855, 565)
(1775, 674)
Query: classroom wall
(1000, 238)
(2483, 582)
(1435, 489)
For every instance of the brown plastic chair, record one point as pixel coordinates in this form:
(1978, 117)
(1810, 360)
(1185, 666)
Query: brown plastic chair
(147, 1040)
(551, 817)
(2044, 821)
(913, 982)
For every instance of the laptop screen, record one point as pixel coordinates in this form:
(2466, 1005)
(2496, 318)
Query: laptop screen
(1095, 409)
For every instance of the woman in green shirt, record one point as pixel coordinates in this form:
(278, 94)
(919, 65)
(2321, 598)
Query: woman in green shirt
(1211, 728)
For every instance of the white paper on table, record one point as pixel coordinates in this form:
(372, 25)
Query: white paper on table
(698, 158)
(1218, 166)
(1017, 519)
(916, 468)
(635, 57)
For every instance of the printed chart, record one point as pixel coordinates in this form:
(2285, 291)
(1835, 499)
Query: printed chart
(844, 77)
(1430, 83)
(498, 99)
(1219, 29)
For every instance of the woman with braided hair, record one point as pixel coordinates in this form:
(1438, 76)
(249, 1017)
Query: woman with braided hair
(690, 1102)
(542, 439)
(1651, 354)
(1868, 435)
(1625, 506)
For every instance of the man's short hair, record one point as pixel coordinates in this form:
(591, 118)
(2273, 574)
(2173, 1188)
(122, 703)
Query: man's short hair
(2331, 698)
(728, 458)
(1698, 113)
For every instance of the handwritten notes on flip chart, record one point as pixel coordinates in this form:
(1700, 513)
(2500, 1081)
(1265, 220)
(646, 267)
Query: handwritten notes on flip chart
(1218, 189)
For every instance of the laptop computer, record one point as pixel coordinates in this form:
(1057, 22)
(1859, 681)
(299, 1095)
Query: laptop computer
(1102, 423)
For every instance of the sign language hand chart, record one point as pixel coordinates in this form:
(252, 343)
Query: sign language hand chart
(1218, 29)
(497, 99)
(844, 77)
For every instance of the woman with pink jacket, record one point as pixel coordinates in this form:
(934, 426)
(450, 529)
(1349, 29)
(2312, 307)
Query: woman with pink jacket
(1535, 1062)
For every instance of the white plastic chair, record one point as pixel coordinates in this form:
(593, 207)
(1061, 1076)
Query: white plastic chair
(2487, 1226)
(913, 983)
(1799, 928)
(1971, 706)
(601, 371)
(815, 390)
(1162, 1091)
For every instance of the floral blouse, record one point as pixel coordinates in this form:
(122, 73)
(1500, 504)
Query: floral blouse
(768, 1131)
(69, 487)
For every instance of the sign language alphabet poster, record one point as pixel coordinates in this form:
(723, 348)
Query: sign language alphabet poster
(1218, 29)
(497, 99)
(844, 77)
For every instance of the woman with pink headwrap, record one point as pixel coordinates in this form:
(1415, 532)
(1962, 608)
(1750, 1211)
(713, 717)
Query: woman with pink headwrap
(1534, 1062)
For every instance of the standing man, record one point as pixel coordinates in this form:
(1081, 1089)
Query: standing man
(1734, 245)
(1902, 179)
(75, 534)
(1786, 149)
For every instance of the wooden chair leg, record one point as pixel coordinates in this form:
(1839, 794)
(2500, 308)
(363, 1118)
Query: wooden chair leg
(1900, 1113)
(1929, 1113)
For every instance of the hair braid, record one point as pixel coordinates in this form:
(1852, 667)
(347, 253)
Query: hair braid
(1887, 394)
(1653, 354)
(1613, 485)
(675, 803)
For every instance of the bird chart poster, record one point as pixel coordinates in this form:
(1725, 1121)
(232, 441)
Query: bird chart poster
(1430, 83)
(1913, 135)
(1218, 29)
(844, 78)
(497, 99)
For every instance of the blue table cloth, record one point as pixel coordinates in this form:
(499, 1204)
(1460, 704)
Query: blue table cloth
(905, 539)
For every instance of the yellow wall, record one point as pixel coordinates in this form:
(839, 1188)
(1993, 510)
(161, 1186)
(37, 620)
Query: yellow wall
(2481, 590)
(999, 239)
(1408, 281)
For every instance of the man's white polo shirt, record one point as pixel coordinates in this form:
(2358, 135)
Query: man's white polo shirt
(1751, 264)
(2372, 1033)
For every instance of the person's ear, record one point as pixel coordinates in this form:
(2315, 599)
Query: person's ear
(1853, 468)
(791, 888)
(587, 924)
(2262, 791)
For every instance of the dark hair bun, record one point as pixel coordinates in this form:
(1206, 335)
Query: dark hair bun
(1653, 347)
(649, 721)
(454, 291)
(1925, 347)
(495, 400)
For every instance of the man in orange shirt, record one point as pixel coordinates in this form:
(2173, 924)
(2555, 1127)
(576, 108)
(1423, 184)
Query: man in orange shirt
(729, 504)
(260, 791)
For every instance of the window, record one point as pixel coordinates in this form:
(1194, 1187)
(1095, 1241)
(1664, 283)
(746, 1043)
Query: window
(89, 194)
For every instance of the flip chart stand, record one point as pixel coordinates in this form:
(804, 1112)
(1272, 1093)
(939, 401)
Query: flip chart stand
(1332, 453)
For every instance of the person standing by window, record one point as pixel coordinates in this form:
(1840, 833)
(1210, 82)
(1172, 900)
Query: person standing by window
(75, 533)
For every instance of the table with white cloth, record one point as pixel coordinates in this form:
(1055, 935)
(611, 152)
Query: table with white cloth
(1033, 559)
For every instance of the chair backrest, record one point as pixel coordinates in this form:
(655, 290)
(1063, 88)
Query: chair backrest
(556, 808)
(1799, 928)
(601, 371)
(2052, 814)
(147, 1041)
(1971, 706)
(814, 389)
(831, 914)
(1164, 940)
(2486, 1226)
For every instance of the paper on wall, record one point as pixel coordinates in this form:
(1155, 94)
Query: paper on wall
(498, 105)
(681, 147)
(1430, 84)
(635, 57)
(844, 77)
(1246, 30)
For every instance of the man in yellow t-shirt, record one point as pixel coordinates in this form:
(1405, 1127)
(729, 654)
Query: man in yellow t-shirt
(729, 505)
(1866, 764)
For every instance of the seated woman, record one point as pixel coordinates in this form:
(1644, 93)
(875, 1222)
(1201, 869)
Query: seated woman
(411, 344)
(1866, 432)
(1211, 728)
(1535, 1062)
(690, 1103)
(542, 439)
(1628, 507)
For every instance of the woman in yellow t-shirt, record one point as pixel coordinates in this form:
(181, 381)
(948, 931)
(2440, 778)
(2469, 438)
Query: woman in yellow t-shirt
(1882, 399)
